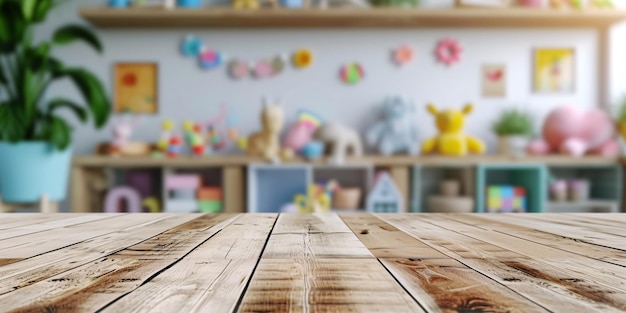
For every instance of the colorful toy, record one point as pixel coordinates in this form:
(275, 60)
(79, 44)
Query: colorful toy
(266, 142)
(210, 199)
(448, 51)
(398, 131)
(352, 73)
(175, 146)
(451, 139)
(218, 140)
(384, 196)
(152, 204)
(127, 194)
(302, 58)
(317, 200)
(301, 132)
(506, 199)
(193, 137)
(574, 131)
(341, 140)
(119, 3)
(403, 55)
(120, 145)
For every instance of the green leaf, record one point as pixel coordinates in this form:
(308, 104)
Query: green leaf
(42, 9)
(70, 33)
(60, 103)
(28, 8)
(38, 56)
(93, 92)
(12, 123)
(57, 132)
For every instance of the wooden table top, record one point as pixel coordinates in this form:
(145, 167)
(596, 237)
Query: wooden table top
(312, 263)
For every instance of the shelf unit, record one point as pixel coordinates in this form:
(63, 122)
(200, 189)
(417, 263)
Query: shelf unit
(351, 18)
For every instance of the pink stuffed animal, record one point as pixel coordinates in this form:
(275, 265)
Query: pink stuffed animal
(574, 131)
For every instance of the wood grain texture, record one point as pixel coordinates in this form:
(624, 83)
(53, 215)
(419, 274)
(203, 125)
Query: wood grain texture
(386, 241)
(312, 263)
(37, 268)
(117, 274)
(313, 236)
(325, 285)
(546, 285)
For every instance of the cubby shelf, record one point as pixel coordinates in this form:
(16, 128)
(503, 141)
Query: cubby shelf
(352, 18)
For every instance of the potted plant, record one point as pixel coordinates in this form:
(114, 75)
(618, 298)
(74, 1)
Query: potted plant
(35, 139)
(514, 129)
(621, 119)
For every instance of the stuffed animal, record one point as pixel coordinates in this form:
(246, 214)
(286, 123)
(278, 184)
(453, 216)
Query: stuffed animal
(341, 140)
(574, 131)
(266, 143)
(398, 131)
(451, 139)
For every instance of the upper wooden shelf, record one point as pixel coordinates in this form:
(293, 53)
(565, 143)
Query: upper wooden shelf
(352, 18)
(382, 161)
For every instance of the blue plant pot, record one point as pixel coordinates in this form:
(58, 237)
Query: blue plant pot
(119, 3)
(189, 3)
(313, 150)
(293, 4)
(29, 170)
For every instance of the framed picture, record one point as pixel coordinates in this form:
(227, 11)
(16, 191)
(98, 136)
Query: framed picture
(135, 88)
(494, 80)
(554, 70)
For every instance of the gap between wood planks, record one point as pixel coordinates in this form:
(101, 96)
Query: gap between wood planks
(521, 274)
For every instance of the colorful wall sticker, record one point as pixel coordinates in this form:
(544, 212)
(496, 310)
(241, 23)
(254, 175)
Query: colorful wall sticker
(403, 55)
(448, 51)
(210, 59)
(494, 80)
(352, 73)
(554, 70)
(302, 58)
(136, 87)
(263, 69)
(238, 69)
(191, 46)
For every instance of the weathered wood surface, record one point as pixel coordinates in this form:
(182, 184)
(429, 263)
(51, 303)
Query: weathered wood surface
(312, 263)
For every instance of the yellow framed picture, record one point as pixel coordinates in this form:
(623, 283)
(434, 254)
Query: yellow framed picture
(554, 70)
(136, 88)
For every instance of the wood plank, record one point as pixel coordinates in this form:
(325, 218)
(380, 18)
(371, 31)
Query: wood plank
(513, 226)
(325, 285)
(94, 285)
(24, 219)
(548, 286)
(211, 278)
(43, 266)
(611, 219)
(313, 236)
(446, 285)
(49, 240)
(351, 18)
(599, 271)
(386, 241)
(582, 230)
(35, 228)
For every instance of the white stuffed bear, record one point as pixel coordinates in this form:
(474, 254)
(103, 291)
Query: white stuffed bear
(341, 140)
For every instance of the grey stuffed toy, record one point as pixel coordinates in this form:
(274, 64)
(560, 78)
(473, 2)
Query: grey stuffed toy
(398, 131)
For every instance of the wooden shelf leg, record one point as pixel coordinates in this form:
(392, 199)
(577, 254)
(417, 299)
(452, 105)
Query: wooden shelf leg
(234, 189)
(79, 191)
(401, 176)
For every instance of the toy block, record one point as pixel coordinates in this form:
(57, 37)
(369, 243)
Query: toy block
(493, 192)
(506, 192)
(494, 203)
(520, 192)
(507, 204)
(517, 203)
(182, 182)
(210, 193)
(181, 206)
(184, 194)
(210, 206)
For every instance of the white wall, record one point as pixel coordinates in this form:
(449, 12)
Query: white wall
(190, 93)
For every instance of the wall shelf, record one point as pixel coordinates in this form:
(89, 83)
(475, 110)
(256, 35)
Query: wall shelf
(352, 18)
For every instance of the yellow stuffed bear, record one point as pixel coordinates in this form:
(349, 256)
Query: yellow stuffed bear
(451, 139)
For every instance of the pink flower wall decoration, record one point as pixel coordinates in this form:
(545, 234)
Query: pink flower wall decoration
(448, 51)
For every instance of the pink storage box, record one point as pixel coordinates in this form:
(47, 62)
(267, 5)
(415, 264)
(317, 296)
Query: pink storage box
(182, 182)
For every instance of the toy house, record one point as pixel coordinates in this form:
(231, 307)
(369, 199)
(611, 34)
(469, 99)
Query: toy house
(385, 196)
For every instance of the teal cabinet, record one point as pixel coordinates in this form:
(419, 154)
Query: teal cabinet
(533, 177)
